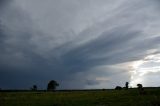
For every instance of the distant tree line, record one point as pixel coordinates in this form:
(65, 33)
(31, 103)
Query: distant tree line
(140, 88)
(120, 88)
(51, 86)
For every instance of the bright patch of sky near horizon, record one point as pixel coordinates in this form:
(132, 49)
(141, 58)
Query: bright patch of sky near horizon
(149, 66)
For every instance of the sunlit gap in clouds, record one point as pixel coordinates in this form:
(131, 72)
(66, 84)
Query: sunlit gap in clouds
(143, 68)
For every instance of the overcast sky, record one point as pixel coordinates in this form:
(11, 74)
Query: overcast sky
(79, 43)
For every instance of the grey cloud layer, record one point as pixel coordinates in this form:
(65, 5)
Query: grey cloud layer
(67, 40)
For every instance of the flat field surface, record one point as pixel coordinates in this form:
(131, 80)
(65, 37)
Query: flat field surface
(129, 97)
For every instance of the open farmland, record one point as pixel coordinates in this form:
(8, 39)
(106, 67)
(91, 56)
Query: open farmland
(129, 97)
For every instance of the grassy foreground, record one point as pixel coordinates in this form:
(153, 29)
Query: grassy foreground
(82, 98)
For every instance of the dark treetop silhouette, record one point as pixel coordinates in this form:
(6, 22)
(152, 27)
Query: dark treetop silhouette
(118, 88)
(127, 83)
(141, 89)
(34, 88)
(52, 85)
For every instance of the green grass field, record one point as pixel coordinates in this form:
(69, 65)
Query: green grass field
(129, 97)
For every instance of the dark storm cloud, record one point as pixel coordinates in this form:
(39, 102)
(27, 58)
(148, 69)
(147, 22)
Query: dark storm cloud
(4, 2)
(74, 46)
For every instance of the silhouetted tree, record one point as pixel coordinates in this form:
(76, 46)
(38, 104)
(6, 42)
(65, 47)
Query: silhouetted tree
(34, 88)
(140, 86)
(141, 89)
(103, 89)
(118, 88)
(126, 85)
(52, 85)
